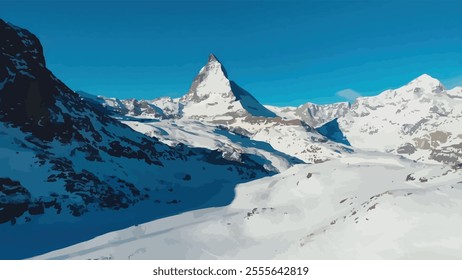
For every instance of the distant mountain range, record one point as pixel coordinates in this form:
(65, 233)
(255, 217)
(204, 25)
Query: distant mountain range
(75, 166)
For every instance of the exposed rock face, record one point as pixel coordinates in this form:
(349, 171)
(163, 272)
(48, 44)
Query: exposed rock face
(318, 115)
(313, 114)
(14, 200)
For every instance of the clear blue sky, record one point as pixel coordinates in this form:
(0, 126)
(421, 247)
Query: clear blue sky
(284, 53)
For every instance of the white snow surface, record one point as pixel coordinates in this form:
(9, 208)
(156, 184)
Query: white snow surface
(358, 207)
(202, 135)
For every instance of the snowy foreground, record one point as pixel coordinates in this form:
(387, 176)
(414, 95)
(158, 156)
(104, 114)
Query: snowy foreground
(364, 206)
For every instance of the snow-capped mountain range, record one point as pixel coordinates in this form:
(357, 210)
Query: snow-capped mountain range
(75, 166)
(215, 101)
(419, 120)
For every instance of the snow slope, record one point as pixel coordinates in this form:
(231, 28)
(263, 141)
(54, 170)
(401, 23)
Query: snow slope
(231, 145)
(364, 206)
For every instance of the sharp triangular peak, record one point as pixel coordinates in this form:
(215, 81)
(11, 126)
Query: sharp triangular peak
(214, 94)
(212, 78)
(214, 63)
(212, 57)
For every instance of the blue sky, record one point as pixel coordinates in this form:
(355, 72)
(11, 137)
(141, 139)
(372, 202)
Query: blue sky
(283, 52)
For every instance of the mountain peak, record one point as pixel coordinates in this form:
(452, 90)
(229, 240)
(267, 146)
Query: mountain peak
(213, 94)
(425, 78)
(214, 65)
(212, 58)
(427, 82)
(211, 78)
(16, 40)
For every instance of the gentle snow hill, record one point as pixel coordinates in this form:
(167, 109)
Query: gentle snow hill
(364, 206)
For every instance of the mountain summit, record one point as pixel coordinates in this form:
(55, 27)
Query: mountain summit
(428, 83)
(212, 94)
(212, 79)
(212, 57)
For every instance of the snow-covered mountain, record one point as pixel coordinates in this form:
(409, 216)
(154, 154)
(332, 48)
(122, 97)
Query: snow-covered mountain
(215, 103)
(213, 96)
(70, 171)
(365, 206)
(421, 120)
